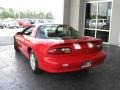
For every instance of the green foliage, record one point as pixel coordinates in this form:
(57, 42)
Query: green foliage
(7, 13)
(10, 13)
(41, 15)
(49, 15)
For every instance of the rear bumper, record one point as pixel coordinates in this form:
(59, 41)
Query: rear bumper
(72, 63)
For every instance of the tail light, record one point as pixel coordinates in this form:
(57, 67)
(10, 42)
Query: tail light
(100, 42)
(99, 47)
(59, 51)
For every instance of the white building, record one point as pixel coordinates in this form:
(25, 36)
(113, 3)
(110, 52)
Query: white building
(97, 18)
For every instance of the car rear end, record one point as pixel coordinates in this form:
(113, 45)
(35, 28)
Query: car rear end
(73, 55)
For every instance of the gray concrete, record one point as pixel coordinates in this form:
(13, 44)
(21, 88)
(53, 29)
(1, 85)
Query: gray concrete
(81, 17)
(6, 40)
(6, 36)
(66, 14)
(15, 74)
(74, 13)
(115, 24)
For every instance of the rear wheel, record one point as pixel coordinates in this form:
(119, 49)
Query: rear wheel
(33, 63)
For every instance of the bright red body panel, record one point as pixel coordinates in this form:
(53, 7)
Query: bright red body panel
(61, 62)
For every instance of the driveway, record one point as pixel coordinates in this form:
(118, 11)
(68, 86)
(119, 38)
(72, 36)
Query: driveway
(6, 36)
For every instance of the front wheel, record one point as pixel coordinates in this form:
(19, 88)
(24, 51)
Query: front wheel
(15, 45)
(33, 63)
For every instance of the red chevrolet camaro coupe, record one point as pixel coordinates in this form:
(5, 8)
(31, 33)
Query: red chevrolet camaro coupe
(58, 48)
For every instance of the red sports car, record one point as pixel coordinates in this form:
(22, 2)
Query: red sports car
(58, 48)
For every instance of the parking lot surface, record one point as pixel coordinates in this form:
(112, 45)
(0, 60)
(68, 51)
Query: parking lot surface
(6, 36)
(15, 72)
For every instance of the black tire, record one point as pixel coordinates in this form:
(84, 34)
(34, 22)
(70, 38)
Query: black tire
(34, 61)
(1, 27)
(15, 45)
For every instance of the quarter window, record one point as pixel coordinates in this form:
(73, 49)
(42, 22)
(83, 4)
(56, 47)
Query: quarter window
(28, 31)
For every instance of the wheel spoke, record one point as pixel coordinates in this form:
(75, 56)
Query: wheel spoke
(32, 62)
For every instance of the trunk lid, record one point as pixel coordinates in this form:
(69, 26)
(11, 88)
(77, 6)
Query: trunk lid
(82, 46)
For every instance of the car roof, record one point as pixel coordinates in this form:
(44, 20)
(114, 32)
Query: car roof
(51, 25)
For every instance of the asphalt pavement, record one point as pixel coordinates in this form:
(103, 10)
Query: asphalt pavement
(15, 72)
(6, 36)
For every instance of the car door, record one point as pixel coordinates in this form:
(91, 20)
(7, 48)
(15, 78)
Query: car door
(27, 40)
(20, 40)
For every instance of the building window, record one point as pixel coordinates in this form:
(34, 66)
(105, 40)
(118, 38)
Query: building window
(97, 19)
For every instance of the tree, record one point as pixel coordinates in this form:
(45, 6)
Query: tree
(49, 15)
(21, 15)
(41, 15)
(4, 14)
(7, 13)
(10, 13)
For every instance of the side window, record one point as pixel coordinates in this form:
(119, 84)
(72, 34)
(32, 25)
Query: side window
(100, 21)
(28, 31)
(61, 31)
(46, 31)
(40, 32)
(94, 21)
(51, 31)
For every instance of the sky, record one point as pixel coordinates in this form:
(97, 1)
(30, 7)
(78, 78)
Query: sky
(54, 6)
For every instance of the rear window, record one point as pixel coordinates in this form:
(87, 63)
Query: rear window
(58, 32)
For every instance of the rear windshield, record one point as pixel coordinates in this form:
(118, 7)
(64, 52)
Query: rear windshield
(58, 32)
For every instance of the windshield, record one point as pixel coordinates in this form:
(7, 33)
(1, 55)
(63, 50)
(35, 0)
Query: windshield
(58, 32)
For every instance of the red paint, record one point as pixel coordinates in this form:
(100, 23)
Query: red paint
(54, 62)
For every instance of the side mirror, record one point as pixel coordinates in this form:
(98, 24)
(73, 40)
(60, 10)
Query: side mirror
(19, 33)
